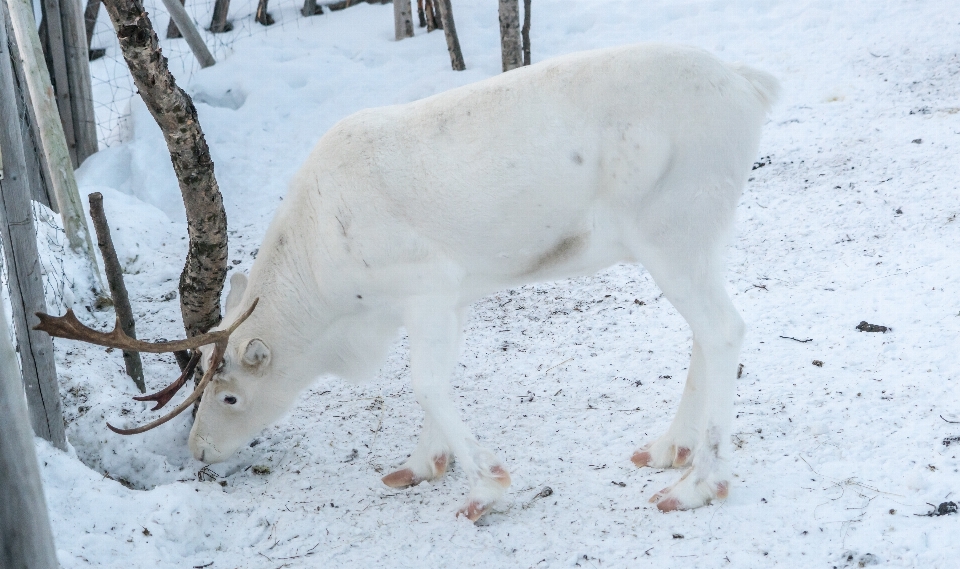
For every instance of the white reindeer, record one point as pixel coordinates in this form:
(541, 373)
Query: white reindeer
(405, 215)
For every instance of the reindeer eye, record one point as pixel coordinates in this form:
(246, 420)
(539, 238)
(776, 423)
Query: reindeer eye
(229, 399)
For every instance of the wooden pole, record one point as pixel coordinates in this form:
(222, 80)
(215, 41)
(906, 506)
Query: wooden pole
(179, 15)
(118, 290)
(23, 266)
(310, 8)
(52, 139)
(450, 31)
(26, 541)
(402, 19)
(172, 31)
(219, 22)
(262, 17)
(525, 32)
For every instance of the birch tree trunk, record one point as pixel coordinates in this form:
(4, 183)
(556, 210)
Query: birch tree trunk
(432, 15)
(201, 281)
(402, 19)
(450, 31)
(510, 54)
(423, 19)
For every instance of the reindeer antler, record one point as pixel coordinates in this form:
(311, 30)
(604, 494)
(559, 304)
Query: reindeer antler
(164, 396)
(67, 326)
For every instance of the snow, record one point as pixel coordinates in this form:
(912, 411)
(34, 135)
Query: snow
(852, 218)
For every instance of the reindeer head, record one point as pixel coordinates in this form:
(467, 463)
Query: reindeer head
(236, 401)
(243, 396)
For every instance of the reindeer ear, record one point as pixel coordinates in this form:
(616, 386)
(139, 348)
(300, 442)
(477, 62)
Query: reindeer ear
(238, 284)
(256, 354)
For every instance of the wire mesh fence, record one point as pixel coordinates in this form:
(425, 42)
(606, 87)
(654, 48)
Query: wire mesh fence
(113, 87)
(113, 90)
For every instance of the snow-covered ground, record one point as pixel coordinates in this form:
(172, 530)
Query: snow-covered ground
(852, 217)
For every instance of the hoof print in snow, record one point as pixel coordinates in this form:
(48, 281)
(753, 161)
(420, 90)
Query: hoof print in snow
(865, 327)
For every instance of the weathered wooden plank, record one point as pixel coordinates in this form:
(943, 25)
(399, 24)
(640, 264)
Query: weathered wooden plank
(61, 83)
(52, 139)
(26, 541)
(23, 266)
(35, 160)
(78, 76)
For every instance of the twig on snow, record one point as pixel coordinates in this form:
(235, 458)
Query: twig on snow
(796, 339)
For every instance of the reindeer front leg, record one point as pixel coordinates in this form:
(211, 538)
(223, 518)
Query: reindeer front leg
(436, 334)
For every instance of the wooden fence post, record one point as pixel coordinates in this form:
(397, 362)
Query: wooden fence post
(219, 22)
(525, 32)
(310, 8)
(37, 168)
(64, 41)
(52, 140)
(23, 266)
(179, 16)
(26, 541)
(121, 302)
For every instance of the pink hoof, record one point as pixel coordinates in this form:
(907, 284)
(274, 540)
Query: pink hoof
(641, 458)
(403, 478)
(440, 464)
(668, 505)
(473, 511)
(682, 457)
(500, 475)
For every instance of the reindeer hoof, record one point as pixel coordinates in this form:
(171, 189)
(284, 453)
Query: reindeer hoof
(473, 511)
(662, 455)
(403, 478)
(406, 477)
(690, 492)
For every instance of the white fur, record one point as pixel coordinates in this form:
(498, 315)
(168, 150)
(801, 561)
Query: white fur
(405, 215)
